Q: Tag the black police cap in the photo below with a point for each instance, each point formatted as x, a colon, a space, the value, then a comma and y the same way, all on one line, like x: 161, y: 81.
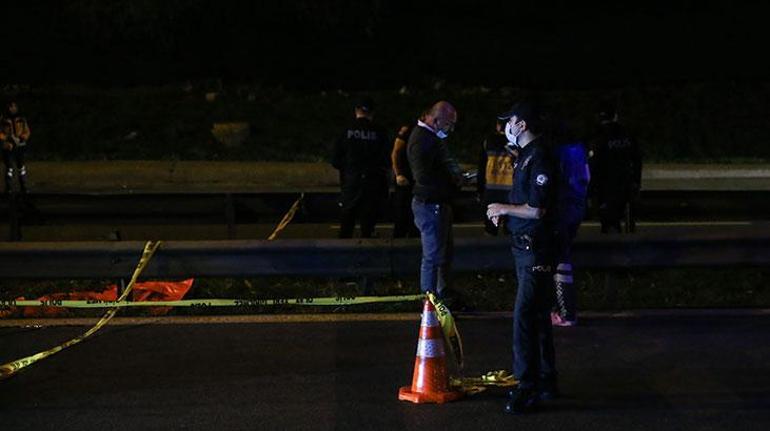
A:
x: 365, y: 104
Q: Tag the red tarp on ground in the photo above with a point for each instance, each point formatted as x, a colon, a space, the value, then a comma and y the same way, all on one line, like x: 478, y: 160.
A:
x: 144, y: 291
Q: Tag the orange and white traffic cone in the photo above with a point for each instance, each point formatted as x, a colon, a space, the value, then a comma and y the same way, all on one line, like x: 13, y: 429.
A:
x: 430, y: 382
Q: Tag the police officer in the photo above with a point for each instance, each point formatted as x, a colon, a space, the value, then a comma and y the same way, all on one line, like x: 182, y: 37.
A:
x: 530, y: 219
x: 362, y: 156
x: 403, y: 218
x: 495, y: 172
x: 437, y: 178
x: 571, y: 184
x: 14, y: 135
x: 616, y: 166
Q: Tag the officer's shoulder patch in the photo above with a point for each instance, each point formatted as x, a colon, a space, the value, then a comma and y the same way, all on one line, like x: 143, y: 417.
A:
x: 541, y: 179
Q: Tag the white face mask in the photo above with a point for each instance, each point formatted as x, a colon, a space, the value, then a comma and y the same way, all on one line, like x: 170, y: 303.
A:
x: 512, y: 132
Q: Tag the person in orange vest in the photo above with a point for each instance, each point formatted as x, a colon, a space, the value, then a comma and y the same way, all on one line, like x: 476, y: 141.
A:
x: 14, y: 135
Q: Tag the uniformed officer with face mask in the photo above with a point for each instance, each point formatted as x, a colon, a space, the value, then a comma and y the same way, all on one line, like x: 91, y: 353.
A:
x: 530, y: 220
x: 362, y: 156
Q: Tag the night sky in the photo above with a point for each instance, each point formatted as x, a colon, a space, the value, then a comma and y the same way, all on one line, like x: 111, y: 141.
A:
x: 383, y: 43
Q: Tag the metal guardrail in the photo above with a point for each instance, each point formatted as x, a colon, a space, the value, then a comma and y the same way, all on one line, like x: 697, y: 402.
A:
x: 360, y: 257
x: 321, y: 207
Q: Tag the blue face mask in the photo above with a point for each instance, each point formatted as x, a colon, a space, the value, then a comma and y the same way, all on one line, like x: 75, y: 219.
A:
x: 441, y: 134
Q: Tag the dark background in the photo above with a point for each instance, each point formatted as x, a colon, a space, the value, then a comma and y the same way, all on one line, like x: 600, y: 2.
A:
x: 382, y: 43
x: 127, y: 79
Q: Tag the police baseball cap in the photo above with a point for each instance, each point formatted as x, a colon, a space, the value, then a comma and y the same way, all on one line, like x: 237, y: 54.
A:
x: 522, y: 110
x: 365, y: 104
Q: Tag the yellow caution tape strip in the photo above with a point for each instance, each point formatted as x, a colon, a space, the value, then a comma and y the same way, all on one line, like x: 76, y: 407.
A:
x: 448, y: 327
x: 322, y: 301
x: 11, y: 368
x: 469, y: 385
x: 286, y: 218
x: 474, y: 385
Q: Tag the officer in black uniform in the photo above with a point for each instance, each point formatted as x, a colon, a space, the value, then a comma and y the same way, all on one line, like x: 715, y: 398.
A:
x: 403, y: 218
x: 362, y: 156
x: 530, y: 220
x: 616, y: 170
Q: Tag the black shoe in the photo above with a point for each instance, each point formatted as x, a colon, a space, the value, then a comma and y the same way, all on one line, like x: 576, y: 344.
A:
x: 548, y: 389
x: 522, y: 401
x: 548, y: 393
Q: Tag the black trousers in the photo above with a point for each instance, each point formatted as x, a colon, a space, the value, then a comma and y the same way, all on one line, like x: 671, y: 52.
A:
x: 613, y: 208
x: 16, y: 155
x: 363, y: 198
x: 403, y: 217
x: 534, y: 360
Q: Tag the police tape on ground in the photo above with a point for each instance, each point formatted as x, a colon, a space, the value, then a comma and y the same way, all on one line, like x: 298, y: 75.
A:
x: 321, y: 301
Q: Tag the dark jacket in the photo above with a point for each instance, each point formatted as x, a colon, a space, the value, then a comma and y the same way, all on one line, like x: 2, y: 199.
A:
x: 533, y: 184
x: 363, y: 148
x: 616, y: 165
x: 362, y: 155
x: 437, y: 176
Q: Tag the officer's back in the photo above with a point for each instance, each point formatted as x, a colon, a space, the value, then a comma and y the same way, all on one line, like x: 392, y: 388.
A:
x: 362, y: 149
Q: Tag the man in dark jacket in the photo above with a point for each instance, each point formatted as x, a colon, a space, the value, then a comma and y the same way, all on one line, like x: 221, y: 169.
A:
x: 362, y: 155
x: 437, y: 177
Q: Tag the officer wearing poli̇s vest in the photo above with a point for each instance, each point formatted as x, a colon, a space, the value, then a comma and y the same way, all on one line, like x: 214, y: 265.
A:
x: 616, y: 168
x: 362, y: 156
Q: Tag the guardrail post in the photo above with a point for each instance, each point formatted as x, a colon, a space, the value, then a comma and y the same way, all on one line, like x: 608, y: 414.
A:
x: 230, y: 215
x: 14, y: 219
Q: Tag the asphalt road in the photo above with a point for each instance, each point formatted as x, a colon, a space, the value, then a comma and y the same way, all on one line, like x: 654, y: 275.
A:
x: 700, y: 372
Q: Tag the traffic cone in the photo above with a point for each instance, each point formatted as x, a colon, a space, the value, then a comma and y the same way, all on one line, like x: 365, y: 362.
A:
x: 430, y: 382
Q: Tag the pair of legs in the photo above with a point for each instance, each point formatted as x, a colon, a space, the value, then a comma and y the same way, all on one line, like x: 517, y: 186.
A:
x: 565, y: 308
x: 613, y: 209
x: 16, y: 155
x: 435, y: 224
x: 534, y: 360
x: 362, y: 200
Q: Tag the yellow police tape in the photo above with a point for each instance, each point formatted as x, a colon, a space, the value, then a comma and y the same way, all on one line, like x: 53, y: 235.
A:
x: 448, y: 327
x: 474, y: 385
x: 320, y: 301
x: 13, y: 367
x: 469, y: 385
x: 286, y: 218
